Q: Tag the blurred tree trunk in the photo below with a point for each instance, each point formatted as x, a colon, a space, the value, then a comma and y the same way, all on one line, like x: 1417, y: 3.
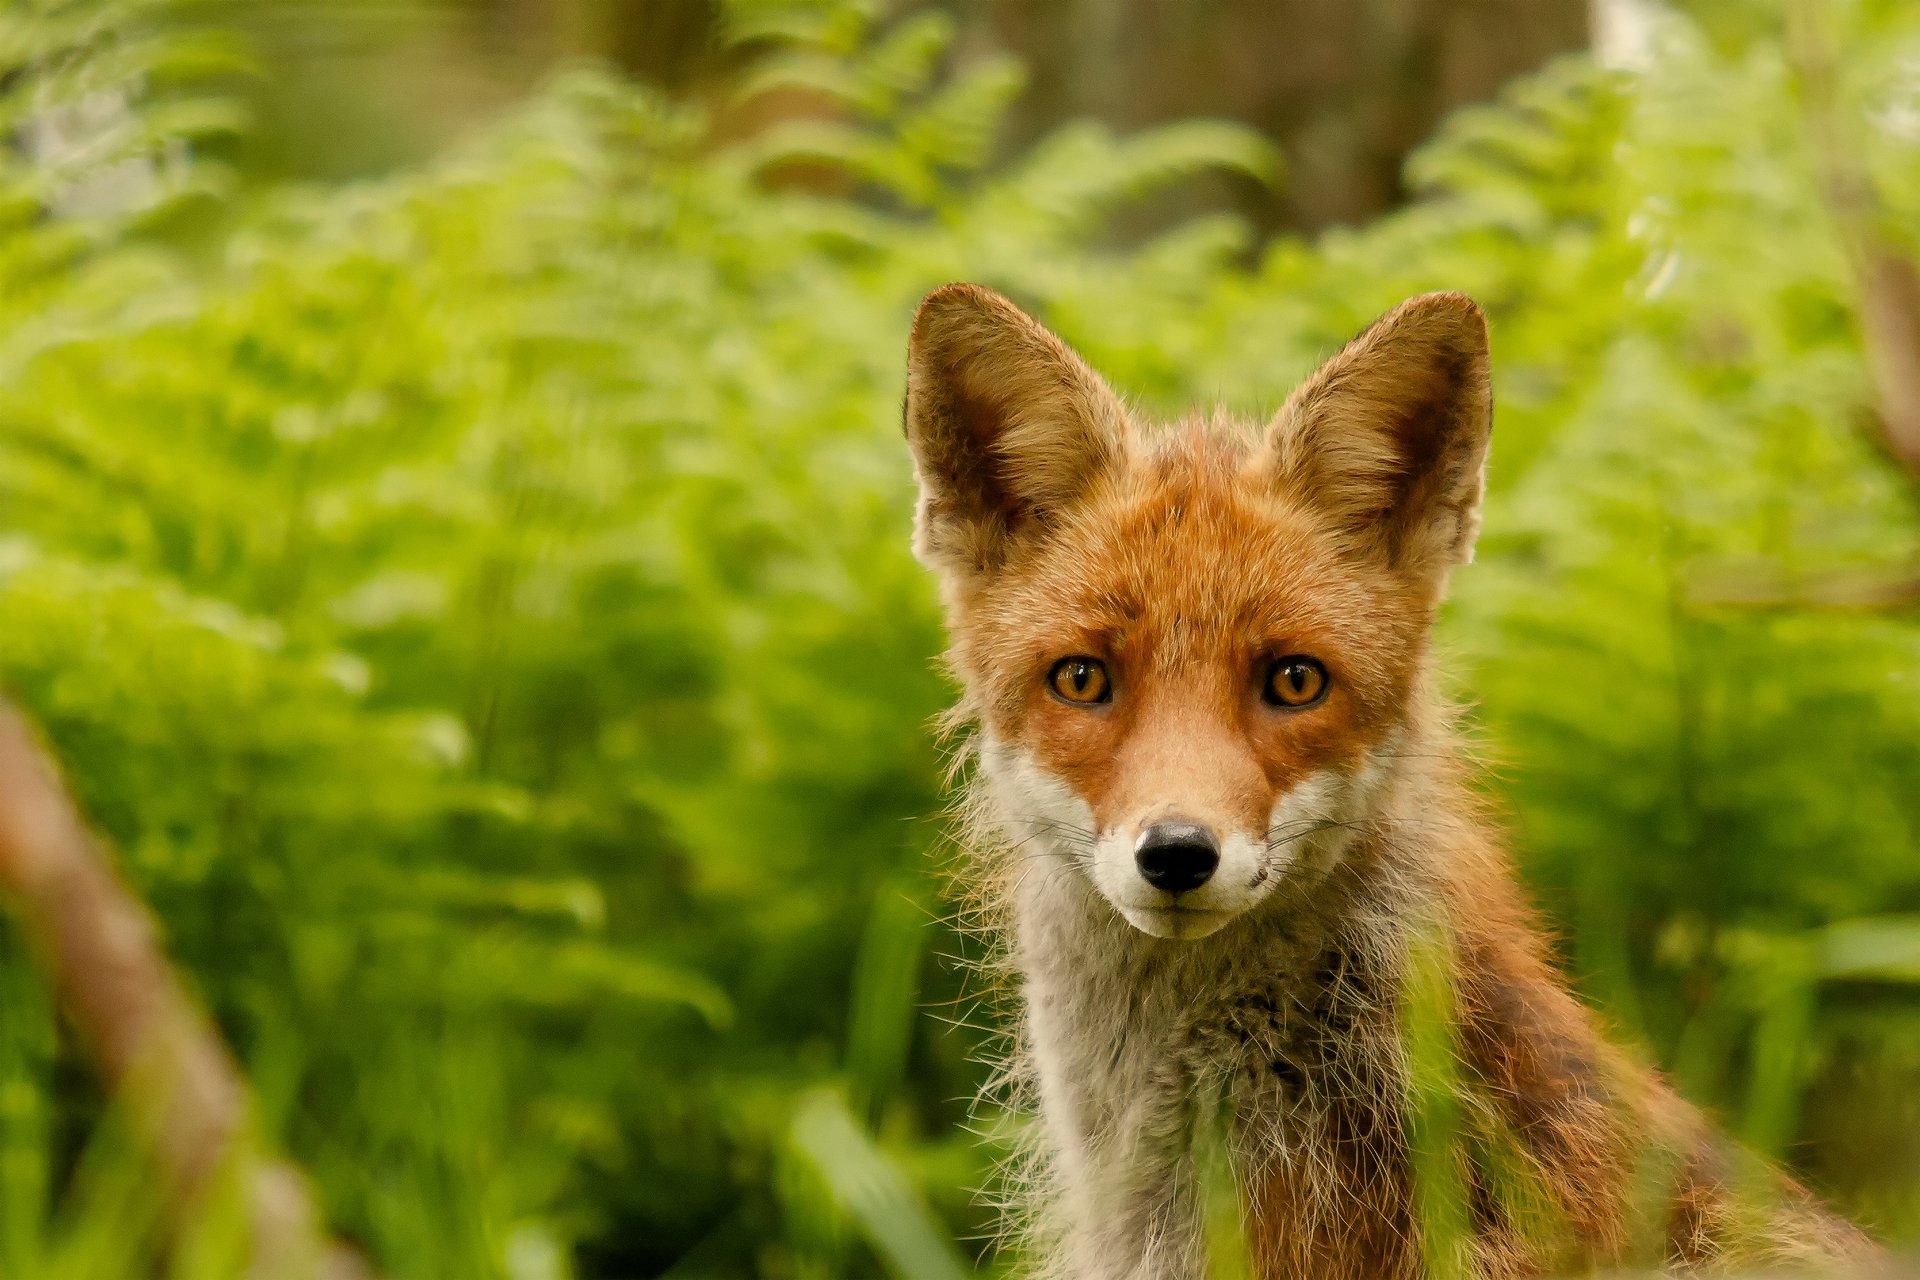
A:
x: 666, y: 42
x: 1346, y: 87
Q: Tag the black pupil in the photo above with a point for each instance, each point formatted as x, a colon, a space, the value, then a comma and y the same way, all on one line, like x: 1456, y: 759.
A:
x: 1296, y: 674
x: 1080, y: 674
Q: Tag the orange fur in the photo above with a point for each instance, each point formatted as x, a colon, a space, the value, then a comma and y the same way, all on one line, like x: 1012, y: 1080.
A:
x: 1186, y: 560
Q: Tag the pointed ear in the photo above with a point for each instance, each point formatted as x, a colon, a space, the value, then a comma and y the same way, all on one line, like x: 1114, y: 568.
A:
x: 1008, y: 427
x: 1389, y: 438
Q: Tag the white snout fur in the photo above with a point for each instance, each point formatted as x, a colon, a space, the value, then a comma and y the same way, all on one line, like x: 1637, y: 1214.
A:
x: 1309, y: 829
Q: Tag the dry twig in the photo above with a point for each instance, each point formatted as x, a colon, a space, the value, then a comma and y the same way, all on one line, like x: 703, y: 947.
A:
x: 159, y: 1055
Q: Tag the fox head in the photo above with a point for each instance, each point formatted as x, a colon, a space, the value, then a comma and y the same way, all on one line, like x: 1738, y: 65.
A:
x: 1191, y: 651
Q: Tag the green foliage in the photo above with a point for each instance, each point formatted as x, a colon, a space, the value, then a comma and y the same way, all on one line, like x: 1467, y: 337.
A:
x: 476, y: 603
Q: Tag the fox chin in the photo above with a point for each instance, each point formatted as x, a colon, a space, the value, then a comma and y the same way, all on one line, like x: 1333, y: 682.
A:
x: 1227, y: 831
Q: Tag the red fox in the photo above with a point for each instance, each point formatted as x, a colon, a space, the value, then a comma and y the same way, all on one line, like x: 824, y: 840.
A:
x: 1222, y: 815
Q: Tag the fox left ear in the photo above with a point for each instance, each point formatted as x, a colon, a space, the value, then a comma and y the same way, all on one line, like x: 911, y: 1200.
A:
x: 1389, y: 437
x: 1007, y: 426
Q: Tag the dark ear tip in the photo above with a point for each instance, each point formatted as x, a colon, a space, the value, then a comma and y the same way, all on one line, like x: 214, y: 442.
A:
x: 1449, y: 315
x: 955, y: 301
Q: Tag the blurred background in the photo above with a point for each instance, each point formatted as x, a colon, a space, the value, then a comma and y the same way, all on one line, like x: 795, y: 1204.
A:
x: 453, y: 535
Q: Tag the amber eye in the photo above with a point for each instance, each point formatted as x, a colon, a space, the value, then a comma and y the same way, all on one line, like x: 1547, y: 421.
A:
x: 1080, y: 680
x: 1295, y: 681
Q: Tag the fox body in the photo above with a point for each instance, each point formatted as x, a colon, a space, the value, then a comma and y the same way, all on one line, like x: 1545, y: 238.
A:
x: 1221, y: 826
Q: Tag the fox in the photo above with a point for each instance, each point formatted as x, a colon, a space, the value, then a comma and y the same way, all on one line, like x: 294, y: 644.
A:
x: 1222, y: 825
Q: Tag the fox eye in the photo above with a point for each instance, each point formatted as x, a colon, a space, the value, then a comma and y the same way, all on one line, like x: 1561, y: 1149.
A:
x: 1295, y: 681
x: 1080, y: 680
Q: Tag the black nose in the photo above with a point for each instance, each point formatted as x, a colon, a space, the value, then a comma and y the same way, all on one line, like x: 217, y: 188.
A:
x: 1176, y: 856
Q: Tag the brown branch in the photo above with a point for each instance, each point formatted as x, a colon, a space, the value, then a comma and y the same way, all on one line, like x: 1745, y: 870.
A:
x: 158, y: 1054
x: 1888, y: 289
x: 1888, y: 284
x: 1890, y: 327
x: 1763, y: 585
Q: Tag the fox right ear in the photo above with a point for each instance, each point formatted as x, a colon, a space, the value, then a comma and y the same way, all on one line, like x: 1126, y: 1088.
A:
x: 1006, y: 424
x: 1389, y: 438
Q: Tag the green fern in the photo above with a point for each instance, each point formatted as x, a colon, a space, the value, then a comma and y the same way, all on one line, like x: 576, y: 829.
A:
x: 476, y: 602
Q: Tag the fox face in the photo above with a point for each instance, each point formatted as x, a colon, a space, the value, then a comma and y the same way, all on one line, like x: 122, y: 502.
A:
x: 1191, y: 650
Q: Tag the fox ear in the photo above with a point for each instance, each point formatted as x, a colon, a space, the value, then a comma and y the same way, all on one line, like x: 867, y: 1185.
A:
x: 1389, y: 438
x: 1007, y: 427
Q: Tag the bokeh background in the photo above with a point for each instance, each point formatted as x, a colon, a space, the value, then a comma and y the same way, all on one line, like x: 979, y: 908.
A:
x: 453, y: 534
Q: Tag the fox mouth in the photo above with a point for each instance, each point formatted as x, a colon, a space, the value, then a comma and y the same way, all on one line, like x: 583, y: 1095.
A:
x: 1177, y: 921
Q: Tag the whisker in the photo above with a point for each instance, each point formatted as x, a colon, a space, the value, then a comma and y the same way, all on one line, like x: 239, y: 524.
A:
x: 1308, y: 828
